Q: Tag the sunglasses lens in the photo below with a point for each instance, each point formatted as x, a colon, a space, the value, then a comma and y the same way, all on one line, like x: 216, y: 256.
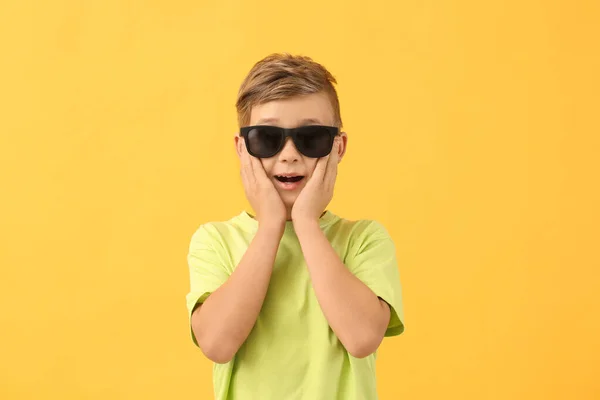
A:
x: 264, y: 141
x: 314, y: 141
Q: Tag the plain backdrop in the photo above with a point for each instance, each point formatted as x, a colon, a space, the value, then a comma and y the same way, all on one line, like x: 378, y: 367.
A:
x: 473, y: 137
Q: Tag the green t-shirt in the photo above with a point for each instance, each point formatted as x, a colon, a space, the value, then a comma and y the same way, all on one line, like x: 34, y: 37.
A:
x: 291, y: 352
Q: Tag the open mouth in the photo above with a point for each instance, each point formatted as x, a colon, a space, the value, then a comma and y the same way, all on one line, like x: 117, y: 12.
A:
x: 290, y: 179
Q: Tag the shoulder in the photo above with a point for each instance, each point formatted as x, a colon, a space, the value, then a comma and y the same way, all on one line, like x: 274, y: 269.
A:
x: 362, y: 228
x: 361, y: 232
x: 365, y: 242
x: 215, y: 233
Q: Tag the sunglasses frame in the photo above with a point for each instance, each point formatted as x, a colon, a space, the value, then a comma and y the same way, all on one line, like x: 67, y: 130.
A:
x: 288, y: 132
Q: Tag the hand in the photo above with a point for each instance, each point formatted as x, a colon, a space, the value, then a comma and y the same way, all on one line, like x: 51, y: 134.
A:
x: 261, y: 193
x: 318, y: 192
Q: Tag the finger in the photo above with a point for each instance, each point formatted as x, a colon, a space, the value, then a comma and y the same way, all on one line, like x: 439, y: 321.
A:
x: 244, y: 155
x: 258, y: 169
x: 247, y: 167
x: 320, y: 169
x: 333, y: 159
x: 336, y: 148
x: 331, y: 170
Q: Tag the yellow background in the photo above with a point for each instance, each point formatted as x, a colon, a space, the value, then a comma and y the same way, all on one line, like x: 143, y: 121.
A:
x: 474, y: 137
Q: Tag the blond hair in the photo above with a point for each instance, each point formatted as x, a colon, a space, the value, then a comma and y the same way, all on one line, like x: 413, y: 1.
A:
x: 282, y: 76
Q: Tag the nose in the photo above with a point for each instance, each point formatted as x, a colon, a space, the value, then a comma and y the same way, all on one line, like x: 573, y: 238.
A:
x: 289, y: 153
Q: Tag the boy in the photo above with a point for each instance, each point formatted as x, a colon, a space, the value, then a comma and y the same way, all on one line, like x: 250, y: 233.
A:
x: 293, y: 301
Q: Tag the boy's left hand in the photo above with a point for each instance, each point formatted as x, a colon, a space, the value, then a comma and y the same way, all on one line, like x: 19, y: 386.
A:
x: 318, y: 192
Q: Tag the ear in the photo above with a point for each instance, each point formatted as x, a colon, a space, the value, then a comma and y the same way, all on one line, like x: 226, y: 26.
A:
x: 239, y: 142
x: 343, y: 140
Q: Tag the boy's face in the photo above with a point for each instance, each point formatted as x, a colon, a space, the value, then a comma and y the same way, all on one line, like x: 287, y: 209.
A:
x: 312, y: 109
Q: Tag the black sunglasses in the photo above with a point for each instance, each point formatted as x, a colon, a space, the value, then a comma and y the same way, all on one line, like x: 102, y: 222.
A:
x: 264, y: 141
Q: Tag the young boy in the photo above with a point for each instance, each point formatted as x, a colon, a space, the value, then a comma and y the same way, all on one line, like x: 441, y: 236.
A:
x: 293, y: 301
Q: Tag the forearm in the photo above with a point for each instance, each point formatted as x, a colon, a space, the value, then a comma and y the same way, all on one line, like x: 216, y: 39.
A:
x: 356, y: 315
x: 224, y: 321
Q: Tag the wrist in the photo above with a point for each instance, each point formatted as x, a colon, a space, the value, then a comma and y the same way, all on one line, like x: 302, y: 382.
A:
x: 272, y: 227
x: 301, y: 223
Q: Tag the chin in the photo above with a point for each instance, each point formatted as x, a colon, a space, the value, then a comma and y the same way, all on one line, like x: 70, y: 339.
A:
x: 289, y: 201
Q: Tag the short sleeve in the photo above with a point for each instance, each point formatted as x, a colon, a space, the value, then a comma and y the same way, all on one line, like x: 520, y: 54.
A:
x: 207, y: 270
x: 372, y: 259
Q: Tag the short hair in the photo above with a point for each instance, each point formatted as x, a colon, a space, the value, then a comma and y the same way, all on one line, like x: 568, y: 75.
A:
x: 282, y: 76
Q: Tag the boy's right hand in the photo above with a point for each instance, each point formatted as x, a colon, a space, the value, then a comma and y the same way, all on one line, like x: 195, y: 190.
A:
x: 261, y: 193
